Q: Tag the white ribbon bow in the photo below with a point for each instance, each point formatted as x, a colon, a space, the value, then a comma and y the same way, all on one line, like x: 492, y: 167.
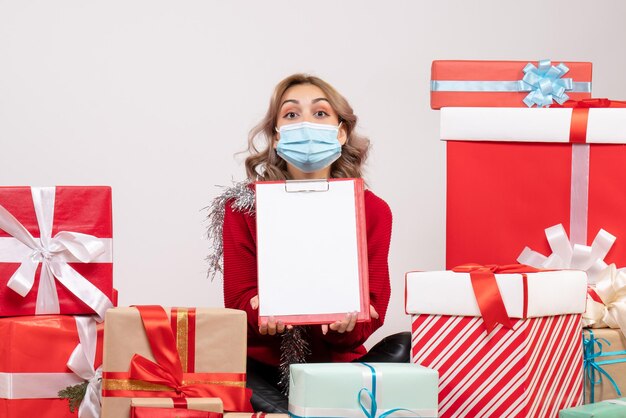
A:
x: 53, y: 253
x: 611, y: 289
x: 566, y: 256
x: 82, y: 361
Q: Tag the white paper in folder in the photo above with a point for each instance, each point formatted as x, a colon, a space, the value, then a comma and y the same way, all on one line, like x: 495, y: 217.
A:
x: 311, y: 250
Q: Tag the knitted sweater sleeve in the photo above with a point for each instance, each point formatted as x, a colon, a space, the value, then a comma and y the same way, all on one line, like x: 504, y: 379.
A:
x: 240, y: 267
x: 378, y: 220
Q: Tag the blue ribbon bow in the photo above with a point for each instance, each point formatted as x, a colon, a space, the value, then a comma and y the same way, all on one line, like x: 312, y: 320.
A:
x: 371, y: 413
x: 545, y: 84
x: 591, y: 366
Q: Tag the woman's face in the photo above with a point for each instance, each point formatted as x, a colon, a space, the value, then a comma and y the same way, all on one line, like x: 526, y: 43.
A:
x: 307, y: 103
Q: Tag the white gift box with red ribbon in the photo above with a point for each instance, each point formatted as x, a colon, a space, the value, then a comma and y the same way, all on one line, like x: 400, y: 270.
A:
x: 527, y: 295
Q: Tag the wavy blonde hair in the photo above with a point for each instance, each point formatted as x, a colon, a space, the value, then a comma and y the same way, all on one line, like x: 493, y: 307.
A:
x: 263, y: 163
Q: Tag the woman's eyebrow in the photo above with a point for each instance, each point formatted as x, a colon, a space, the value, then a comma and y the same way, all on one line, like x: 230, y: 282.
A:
x: 289, y: 101
x: 319, y: 99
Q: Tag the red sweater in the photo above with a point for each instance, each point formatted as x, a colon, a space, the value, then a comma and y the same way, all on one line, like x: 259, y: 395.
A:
x: 240, y: 285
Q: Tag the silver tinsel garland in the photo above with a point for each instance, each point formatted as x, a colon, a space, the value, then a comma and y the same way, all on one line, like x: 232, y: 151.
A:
x: 294, y: 346
x: 294, y: 349
x: 243, y: 200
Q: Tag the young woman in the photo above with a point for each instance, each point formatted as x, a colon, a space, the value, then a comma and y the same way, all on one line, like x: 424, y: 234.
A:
x: 302, y: 106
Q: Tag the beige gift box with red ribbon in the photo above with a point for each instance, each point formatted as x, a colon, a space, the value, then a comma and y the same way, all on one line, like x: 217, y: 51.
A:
x: 173, y: 353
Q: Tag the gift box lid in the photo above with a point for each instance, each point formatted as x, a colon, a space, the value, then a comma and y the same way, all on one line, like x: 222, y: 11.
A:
x: 499, y: 83
x: 125, y: 336
x: 451, y: 293
x: 606, y: 125
x: 43, y: 343
x: 613, y: 408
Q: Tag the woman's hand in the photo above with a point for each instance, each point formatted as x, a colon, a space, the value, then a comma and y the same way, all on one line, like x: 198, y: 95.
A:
x: 348, y: 323
x: 272, y: 327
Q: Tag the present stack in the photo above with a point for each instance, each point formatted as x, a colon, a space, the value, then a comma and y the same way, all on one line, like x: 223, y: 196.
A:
x: 58, y: 358
x: 534, y: 175
x: 55, y: 283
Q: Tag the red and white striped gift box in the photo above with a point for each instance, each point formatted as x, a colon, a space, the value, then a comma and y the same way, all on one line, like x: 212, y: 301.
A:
x: 533, y: 369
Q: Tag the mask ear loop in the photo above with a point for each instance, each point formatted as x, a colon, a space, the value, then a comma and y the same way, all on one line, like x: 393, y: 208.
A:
x: 339, y: 126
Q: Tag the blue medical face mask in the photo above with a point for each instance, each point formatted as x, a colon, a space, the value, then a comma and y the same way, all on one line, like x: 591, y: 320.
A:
x: 309, y: 146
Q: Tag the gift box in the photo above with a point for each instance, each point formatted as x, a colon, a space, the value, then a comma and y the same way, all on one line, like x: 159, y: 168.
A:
x: 358, y: 389
x: 55, y: 250
x: 42, y: 355
x: 507, y: 83
x: 145, y: 412
x: 615, y: 408
x: 255, y: 415
x: 605, y: 364
x: 503, y: 345
x: 152, y: 352
x: 513, y: 172
x: 176, y: 407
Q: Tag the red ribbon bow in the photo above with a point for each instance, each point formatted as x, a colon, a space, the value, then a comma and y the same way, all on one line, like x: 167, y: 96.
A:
x: 592, y: 103
x: 580, y: 115
x: 487, y: 292
x: 168, y: 371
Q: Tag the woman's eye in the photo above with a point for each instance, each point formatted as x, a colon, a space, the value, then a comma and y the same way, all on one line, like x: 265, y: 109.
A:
x: 320, y: 114
x: 290, y: 115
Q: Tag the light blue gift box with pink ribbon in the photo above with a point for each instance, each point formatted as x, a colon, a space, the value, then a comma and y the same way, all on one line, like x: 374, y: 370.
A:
x: 363, y: 390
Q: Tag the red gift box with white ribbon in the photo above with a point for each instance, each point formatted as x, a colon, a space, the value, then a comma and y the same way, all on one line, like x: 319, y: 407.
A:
x: 44, y: 354
x: 55, y: 250
x: 513, y: 172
